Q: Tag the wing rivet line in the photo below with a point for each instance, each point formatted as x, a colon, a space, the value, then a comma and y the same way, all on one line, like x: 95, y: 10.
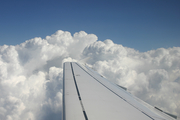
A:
x: 84, y: 112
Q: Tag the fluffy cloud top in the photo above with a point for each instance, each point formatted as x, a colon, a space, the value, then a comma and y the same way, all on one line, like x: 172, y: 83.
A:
x: 31, y: 73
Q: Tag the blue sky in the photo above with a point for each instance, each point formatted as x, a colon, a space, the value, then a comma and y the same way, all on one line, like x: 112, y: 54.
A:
x: 139, y: 24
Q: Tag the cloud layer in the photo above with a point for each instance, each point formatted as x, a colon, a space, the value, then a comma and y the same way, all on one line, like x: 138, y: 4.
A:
x: 31, y: 73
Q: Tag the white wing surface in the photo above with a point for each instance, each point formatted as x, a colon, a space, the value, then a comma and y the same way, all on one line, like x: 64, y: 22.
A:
x: 89, y: 96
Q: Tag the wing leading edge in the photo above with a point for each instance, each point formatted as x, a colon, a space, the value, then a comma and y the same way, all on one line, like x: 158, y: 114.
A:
x: 89, y: 96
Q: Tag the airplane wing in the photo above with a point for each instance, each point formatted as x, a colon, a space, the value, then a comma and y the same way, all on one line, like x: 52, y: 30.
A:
x: 89, y: 96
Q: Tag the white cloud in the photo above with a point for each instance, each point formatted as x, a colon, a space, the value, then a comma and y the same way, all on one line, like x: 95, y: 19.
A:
x: 31, y: 73
x: 152, y: 76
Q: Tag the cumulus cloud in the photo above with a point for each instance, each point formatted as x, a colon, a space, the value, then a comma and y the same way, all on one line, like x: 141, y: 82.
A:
x: 152, y: 76
x: 31, y: 73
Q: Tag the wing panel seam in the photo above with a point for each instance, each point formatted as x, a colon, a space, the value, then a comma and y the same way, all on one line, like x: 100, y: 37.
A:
x: 84, y: 112
x: 116, y: 93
